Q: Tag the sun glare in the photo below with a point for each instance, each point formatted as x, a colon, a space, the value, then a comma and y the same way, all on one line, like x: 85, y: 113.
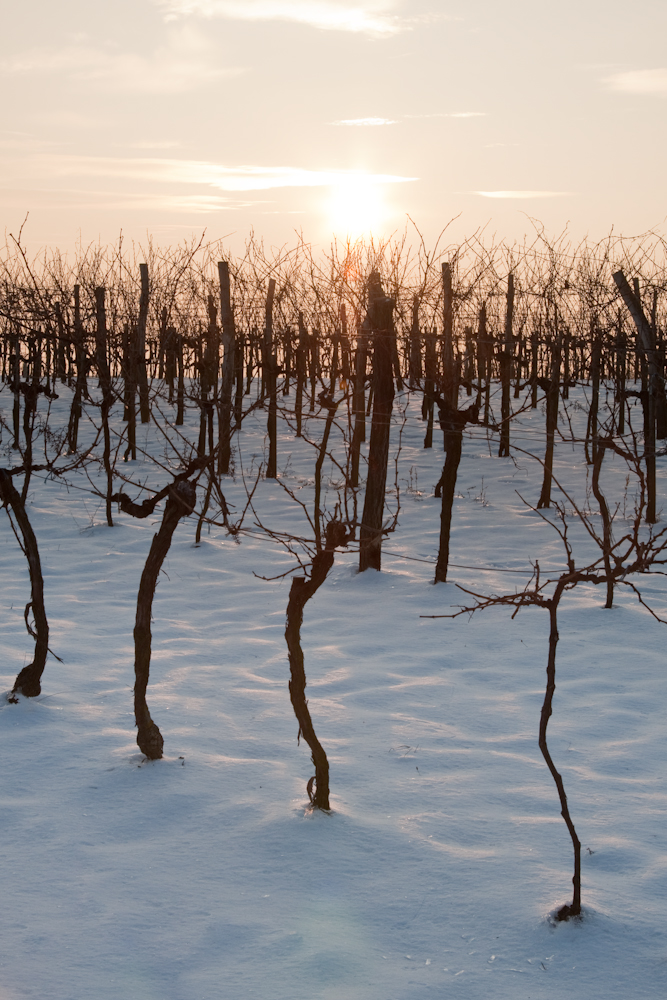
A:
x: 356, y: 206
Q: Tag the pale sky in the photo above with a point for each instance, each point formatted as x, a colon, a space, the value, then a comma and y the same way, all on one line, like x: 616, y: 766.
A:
x: 330, y: 116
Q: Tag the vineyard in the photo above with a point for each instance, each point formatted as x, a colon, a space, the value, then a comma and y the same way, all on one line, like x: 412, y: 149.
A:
x: 357, y: 558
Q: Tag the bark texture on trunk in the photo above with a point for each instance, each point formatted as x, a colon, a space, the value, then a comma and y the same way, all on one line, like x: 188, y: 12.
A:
x: 301, y: 591
x: 28, y: 681
x: 573, y: 909
x: 452, y: 423
x: 381, y: 311
x: 181, y: 502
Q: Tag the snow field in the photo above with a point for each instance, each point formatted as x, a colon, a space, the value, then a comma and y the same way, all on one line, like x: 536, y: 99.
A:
x: 206, y: 875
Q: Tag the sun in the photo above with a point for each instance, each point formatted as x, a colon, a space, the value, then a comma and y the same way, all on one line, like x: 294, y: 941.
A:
x: 356, y: 206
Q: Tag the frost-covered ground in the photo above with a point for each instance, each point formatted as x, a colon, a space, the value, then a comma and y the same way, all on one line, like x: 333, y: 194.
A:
x: 206, y: 875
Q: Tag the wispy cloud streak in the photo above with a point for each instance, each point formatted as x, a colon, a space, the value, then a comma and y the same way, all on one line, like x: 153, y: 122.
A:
x: 521, y: 194
x: 184, y: 63
x: 328, y: 15
x: 366, y: 121
x: 639, y: 81
x: 196, y: 172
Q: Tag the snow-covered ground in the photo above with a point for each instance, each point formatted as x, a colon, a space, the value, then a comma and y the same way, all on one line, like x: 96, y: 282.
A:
x: 206, y: 876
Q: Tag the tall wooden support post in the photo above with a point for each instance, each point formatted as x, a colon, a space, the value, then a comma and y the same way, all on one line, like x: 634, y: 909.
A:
x: 334, y: 367
x: 314, y: 356
x: 534, y: 352
x: 344, y: 347
x: 453, y: 444
x: 141, y: 373
x: 647, y: 344
x: 381, y: 315
x: 80, y: 385
x: 61, y: 341
x: 596, y: 356
x: 301, y: 374
x: 239, y: 352
x: 170, y: 368
x: 271, y: 384
x: 620, y: 377
x: 485, y: 349
x: 469, y: 360
x: 552, y: 389
x: 415, y: 364
x: 506, y: 372
x: 180, y: 392
x: 430, y: 370
x: 130, y: 390
x: 519, y: 360
x: 104, y: 376
x: 287, y: 359
x: 660, y: 400
x: 567, y: 340
x: 450, y: 372
x: 16, y: 383
x: 210, y: 351
x: 359, y: 402
x: 272, y: 422
x: 267, y: 343
x: 162, y: 342
x: 228, y: 369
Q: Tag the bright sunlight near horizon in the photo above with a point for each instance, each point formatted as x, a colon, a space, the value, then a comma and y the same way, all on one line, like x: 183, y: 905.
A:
x: 356, y: 206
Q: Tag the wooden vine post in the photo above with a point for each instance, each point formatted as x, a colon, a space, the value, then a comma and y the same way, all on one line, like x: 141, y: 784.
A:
x: 381, y: 315
x: 141, y: 373
x: 506, y: 371
x: 228, y: 369
x: 647, y: 344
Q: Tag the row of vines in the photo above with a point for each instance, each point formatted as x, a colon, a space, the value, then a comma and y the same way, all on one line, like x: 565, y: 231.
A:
x: 328, y: 344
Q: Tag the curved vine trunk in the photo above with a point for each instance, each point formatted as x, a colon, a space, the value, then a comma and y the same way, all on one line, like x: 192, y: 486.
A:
x: 181, y: 502
x: 28, y: 681
x: 574, y: 909
x: 301, y: 591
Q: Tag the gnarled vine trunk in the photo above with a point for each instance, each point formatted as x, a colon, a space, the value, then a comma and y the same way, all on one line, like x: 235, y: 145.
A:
x: 573, y: 909
x: 28, y: 681
x: 301, y: 591
x: 181, y: 502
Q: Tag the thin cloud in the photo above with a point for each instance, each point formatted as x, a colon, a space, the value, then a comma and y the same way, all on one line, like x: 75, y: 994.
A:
x: 366, y: 121
x: 149, y: 144
x: 193, y: 204
x: 327, y: 15
x: 639, y: 81
x: 452, y: 114
x: 395, y: 121
x: 521, y: 194
x: 183, y: 64
x: 241, y: 178
x: 431, y: 18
